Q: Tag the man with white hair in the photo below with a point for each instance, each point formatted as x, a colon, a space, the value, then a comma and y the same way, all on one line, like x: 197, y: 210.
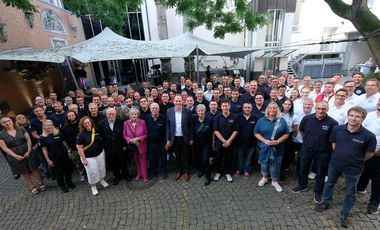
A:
x: 111, y: 131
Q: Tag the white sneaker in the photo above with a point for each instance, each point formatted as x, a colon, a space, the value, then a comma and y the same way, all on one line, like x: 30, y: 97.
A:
x: 104, y: 183
x: 217, y: 176
x: 277, y: 186
x: 94, y: 190
x: 229, y: 178
x: 82, y: 178
x: 326, y: 178
x: 311, y: 176
x: 263, y: 181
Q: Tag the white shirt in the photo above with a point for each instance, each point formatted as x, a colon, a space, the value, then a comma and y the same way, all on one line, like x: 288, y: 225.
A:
x: 289, y: 120
x: 178, y: 123
x: 338, y: 113
x: 208, y: 95
x: 368, y: 103
x: 372, y: 123
x: 313, y: 95
x: 298, y: 105
x: 352, y: 101
x: 297, y: 121
x: 111, y: 124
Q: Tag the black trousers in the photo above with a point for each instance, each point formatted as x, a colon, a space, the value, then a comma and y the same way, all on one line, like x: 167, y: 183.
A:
x: 117, y: 164
x: 224, y: 157
x: 62, y: 169
x: 182, y: 151
x: 202, y: 153
x: 371, y: 172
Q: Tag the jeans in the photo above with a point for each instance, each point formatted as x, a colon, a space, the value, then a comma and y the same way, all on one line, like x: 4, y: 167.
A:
x: 272, y: 167
x: 321, y: 160
x: 245, y: 159
x: 202, y: 153
x: 350, y: 182
x: 371, y: 172
x: 157, y: 155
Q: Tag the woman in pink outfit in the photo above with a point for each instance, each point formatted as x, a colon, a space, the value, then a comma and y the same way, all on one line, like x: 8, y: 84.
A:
x: 135, y: 133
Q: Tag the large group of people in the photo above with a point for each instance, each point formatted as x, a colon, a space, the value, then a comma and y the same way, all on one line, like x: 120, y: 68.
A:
x: 326, y: 129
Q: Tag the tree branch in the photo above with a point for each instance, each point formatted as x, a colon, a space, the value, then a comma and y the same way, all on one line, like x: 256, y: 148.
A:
x: 340, y: 8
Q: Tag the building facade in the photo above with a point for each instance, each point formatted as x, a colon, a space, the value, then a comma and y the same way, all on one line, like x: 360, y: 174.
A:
x: 51, y: 26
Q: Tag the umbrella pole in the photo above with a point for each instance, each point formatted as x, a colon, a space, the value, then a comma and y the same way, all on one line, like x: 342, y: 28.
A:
x: 197, y: 52
x: 72, y: 73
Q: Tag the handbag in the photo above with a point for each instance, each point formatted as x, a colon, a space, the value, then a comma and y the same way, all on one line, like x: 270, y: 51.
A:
x: 132, y: 148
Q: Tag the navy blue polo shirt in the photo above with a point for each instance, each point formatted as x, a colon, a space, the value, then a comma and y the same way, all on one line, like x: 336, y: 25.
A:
x: 317, y: 132
x: 246, y: 137
x: 225, y: 126
x: 58, y: 119
x: 157, y: 129
x: 247, y: 97
x: 258, y: 112
x: 36, y: 125
x: 53, y: 144
x: 203, y: 131
x: 359, y: 90
x: 211, y: 116
x: 350, y: 148
x: 236, y: 107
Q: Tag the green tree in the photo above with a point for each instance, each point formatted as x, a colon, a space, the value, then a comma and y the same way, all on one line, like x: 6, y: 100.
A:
x: 23, y: 5
x: 110, y: 12
x: 367, y: 24
x: 220, y: 16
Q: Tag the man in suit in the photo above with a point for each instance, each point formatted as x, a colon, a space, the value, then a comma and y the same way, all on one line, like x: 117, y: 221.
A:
x: 111, y: 130
x: 179, y: 134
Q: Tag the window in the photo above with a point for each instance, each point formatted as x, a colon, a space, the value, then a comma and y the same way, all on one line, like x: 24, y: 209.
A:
x: 328, y: 32
x: 274, y: 28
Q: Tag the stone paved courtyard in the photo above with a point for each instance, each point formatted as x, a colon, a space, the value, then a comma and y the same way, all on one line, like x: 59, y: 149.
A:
x: 167, y: 204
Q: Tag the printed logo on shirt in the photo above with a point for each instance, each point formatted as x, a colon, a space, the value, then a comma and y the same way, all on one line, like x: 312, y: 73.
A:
x: 357, y: 141
x: 231, y: 121
x: 252, y: 122
x: 160, y: 124
x: 57, y: 137
x: 325, y: 127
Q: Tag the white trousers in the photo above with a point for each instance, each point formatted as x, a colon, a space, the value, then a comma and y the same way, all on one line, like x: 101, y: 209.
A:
x: 95, y: 168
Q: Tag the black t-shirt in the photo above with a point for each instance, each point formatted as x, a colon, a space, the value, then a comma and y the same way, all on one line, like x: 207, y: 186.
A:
x: 54, y: 144
x: 84, y: 138
x: 225, y: 125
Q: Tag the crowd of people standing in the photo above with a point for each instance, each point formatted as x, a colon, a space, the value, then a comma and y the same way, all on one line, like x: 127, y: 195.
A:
x: 326, y: 129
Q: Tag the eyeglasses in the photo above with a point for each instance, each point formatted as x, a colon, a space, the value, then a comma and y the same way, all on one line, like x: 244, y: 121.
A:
x: 339, y: 95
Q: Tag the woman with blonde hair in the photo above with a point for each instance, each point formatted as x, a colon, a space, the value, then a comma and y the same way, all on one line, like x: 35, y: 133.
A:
x: 57, y: 154
x: 91, y: 152
x: 271, y: 131
x: 16, y: 143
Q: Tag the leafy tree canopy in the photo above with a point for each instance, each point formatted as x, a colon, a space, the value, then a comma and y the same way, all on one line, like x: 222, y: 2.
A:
x: 23, y: 5
x: 220, y: 16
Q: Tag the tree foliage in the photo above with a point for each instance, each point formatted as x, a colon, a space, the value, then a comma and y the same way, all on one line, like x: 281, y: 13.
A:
x: 363, y: 19
x: 110, y: 12
x: 23, y: 5
x: 220, y: 16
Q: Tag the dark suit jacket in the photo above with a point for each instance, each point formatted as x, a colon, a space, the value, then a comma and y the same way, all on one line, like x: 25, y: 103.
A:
x: 187, y: 125
x: 113, y: 141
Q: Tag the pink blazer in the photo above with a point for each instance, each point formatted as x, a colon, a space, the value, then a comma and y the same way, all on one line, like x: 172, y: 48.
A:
x: 141, y: 132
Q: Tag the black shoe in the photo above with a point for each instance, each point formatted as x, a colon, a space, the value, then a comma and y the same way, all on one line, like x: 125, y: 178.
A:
x: 64, y: 189
x: 322, y: 206
x: 164, y: 176
x: 115, y: 181
x: 373, y: 208
x: 71, y: 185
x: 207, y: 181
x: 200, y: 174
x: 16, y: 176
x: 344, y: 221
x: 317, y: 198
x: 299, y: 189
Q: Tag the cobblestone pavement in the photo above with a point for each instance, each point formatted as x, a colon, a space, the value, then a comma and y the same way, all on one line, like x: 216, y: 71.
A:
x: 167, y: 204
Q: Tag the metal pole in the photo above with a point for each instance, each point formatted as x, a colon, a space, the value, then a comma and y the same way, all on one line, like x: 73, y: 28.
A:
x: 142, y: 60
x: 197, y: 52
x: 72, y: 72
x: 130, y: 35
x: 93, y: 35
